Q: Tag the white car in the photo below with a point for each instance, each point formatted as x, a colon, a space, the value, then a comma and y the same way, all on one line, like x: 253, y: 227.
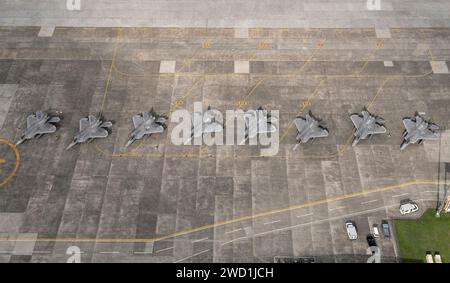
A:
x: 409, y: 207
x: 351, y: 230
x: 375, y: 231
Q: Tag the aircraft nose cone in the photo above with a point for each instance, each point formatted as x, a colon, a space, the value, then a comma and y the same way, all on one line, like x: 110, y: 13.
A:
x: 20, y: 141
x: 129, y: 143
x: 71, y: 145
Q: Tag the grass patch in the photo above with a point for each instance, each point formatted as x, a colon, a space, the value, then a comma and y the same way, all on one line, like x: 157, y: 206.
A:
x: 427, y: 233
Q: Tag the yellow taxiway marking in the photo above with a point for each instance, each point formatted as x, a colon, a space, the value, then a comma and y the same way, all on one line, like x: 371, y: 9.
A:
x: 233, y: 220
x: 17, y: 161
x: 319, y: 46
x: 111, y: 68
x: 2, y: 161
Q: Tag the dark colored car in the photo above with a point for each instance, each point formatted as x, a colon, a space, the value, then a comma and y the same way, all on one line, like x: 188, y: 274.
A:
x: 386, y: 229
x: 371, y: 241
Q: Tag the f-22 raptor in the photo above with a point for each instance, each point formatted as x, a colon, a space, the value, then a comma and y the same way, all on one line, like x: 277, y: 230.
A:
x: 258, y: 122
x: 417, y: 130
x: 366, y: 126
x: 309, y: 128
x: 204, y: 123
x: 147, y: 123
x: 39, y: 124
x: 91, y: 128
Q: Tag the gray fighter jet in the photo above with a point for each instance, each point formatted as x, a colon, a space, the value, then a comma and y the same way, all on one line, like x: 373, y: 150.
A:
x: 418, y: 130
x: 366, y: 125
x: 258, y: 122
x: 91, y: 128
x: 146, y: 123
x: 39, y: 124
x: 309, y: 128
x: 204, y: 123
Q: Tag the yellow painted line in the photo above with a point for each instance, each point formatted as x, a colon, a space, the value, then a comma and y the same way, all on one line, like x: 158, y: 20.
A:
x: 378, y: 45
x: 430, y: 54
x: 252, y: 90
x: 319, y: 46
x: 111, y: 68
x: 380, y: 89
x: 17, y: 161
x: 233, y: 220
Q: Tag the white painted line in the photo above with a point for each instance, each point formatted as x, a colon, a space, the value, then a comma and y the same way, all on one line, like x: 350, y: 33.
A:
x: 304, y: 215
x: 199, y: 253
x: 400, y: 195
x: 167, y: 67
x: 46, y: 31
x: 229, y: 232
x: 388, y: 64
x: 336, y: 208
x: 163, y: 250
x: 237, y: 239
x: 110, y: 252
x: 439, y: 67
x: 272, y: 222
x: 370, y: 201
x: 199, y: 240
x: 431, y: 192
x: 241, y: 67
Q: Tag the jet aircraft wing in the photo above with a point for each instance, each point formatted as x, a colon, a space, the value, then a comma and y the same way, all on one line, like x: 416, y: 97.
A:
x: 379, y: 129
x: 84, y: 124
x: 409, y: 124
x: 356, y: 119
x: 46, y: 128
x: 137, y: 120
x: 31, y: 120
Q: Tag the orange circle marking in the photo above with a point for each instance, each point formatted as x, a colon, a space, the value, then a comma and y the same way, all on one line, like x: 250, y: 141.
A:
x: 243, y: 103
x: 179, y: 102
x: 16, y: 167
x: 263, y: 45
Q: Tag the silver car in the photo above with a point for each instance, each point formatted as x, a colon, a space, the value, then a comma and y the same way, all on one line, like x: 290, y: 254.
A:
x: 352, y: 231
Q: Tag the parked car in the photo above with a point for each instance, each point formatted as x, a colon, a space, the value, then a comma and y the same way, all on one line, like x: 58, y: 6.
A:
x: 408, y: 207
x: 437, y: 258
x: 375, y: 231
x: 386, y: 229
x: 371, y: 241
x: 352, y: 231
x: 429, y: 257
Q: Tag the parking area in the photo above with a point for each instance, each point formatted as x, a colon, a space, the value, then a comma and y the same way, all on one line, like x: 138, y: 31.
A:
x: 159, y: 202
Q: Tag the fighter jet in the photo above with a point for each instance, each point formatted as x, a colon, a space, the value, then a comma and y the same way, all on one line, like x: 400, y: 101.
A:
x: 91, y: 128
x: 309, y: 128
x: 39, y: 124
x: 204, y: 123
x: 146, y: 123
x: 367, y: 125
x: 258, y: 122
x: 418, y: 130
